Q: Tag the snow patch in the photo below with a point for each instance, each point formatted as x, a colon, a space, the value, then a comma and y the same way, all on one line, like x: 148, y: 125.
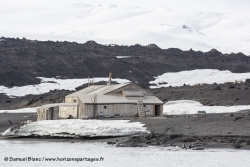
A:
x: 183, y: 107
x: 22, y: 110
x: 48, y: 84
x: 122, y: 57
x: 199, y: 76
x: 77, y: 128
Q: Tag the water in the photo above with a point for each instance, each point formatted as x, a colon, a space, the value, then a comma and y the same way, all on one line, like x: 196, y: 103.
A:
x: 114, y: 156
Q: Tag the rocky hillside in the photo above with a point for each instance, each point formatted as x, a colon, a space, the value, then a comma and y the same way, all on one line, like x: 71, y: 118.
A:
x: 22, y: 60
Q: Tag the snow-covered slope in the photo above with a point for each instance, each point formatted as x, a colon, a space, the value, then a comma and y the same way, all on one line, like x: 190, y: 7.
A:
x: 200, y: 76
x: 48, y: 84
x: 183, y: 107
x: 22, y: 110
x: 76, y: 127
x: 123, y: 24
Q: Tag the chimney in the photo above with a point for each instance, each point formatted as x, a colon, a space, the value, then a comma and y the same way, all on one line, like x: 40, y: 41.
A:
x: 110, y: 77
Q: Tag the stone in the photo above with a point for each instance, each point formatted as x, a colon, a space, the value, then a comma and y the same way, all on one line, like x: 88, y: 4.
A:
x: 247, y: 81
x: 237, y: 118
x: 237, y: 145
x: 217, y: 87
x: 188, y: 139
x: 173, y: 136
x: 198, y: 148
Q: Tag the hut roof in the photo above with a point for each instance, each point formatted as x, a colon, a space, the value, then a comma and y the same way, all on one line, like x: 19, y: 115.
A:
x: 58, y: 104
x: 119, y: 99
x: 106, y: 94
x: 98, y: 89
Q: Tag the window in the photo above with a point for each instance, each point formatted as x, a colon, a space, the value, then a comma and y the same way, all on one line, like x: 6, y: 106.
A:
x: 105, y: 107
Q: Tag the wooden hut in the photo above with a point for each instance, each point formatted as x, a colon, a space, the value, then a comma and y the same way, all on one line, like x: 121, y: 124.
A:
x: 94, y: 101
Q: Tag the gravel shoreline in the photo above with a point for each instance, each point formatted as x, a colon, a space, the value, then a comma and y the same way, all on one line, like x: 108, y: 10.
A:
x: 213, y: 131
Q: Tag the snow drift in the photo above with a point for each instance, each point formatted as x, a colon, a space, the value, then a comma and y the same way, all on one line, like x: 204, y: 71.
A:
x: 199, y: 76
x: 22, y: 110
x: 183, y: 107
x: 77, y: 128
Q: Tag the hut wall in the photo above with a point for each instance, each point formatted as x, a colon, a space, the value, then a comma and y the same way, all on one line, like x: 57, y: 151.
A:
x: 55, y: 113
x: 127, y: 110
x: 71, y: 100
x: 81, y: 110
x: 50, y: 113
x: 150, y: 110
x: 41, y: 113
x: 161, y: 110
x: 108, y: 110
x: 66, y: 111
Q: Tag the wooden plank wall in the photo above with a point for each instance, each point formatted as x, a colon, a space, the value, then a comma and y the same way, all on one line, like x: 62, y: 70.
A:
x: 56, y: 113
x: 127, y: 110
x: 161, y: 110
x: 151, y: 109
x: 81, y: 110
x: 65, y: 111
x: 49, y: 113
x: 71, y: 100
x: 41, y: 114
x: 86, y: 110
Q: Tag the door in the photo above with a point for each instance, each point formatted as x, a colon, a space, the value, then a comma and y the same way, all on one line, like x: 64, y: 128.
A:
x: 55, y: 113
x: 157, y: 110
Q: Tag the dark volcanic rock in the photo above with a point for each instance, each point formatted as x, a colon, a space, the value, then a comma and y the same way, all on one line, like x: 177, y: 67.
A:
x: 188, y: 139
x: 173, y: 136
x: 55, y: 96
x: 237, y: 145
x: 217, y: 87
x: 237, y: 118
x: 206, y: 94
x: 23, y: 60
x: 247, y: 81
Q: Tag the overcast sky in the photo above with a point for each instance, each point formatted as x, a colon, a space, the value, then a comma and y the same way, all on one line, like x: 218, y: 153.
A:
x: 187, y: 5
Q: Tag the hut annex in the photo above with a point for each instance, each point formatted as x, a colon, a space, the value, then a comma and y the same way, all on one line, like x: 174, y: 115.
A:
x: 96, y: 101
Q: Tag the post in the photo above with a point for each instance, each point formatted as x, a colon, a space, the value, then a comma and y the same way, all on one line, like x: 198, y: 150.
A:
x: 110, y: 78
x: 88, y: 81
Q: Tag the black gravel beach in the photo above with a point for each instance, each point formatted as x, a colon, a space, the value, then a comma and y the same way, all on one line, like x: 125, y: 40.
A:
x: 213, y: 131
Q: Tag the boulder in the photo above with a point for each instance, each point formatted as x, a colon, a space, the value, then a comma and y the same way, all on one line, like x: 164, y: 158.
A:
x: 188, y: 139
x: 217, y: 87
x: 198, y: 148
x: 237, y: 145
x: 247, y: 81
